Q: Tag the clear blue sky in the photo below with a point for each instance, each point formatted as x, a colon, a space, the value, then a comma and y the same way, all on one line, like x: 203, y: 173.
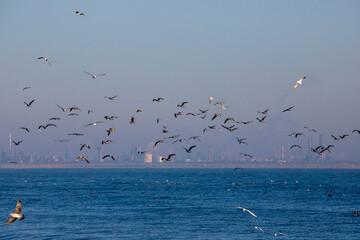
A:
x: 248, y: 54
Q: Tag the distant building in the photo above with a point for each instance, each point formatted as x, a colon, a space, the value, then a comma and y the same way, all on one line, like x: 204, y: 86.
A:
x: 147, y: 158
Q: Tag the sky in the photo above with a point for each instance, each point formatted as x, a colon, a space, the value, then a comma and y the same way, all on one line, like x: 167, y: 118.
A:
x: 248, y: 54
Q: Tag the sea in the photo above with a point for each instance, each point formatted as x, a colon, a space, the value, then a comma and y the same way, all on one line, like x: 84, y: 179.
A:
x: 181, y: 203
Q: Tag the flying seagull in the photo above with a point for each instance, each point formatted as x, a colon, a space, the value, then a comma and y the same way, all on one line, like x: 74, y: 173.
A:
x: 84, y: 145
x: 190, y: 148
x: 168, y: 158
x: 262, y: 120
x: 95, y: 76
x: 247, y: 210
x: 17, y: 143
x: 93, y: 124
x: 110, y: 156
x: 105, y: 142
x: 210, y: 99
x: 26, y: 129
x: 246, y: 155
x: 257, y: 228
x: 132, y: 121
x: 82, y: 157
x: 182, y: 105
x: 288, y: 109
x: 80, y: 13
x: 111, y: 98
x: 29, y: 104
x: 26, y: 88
x: 299, y: 82
x: 45, y: 59
x: 110, y: 130
x: 16, y: 214
x: 158, y: 99
x: 264, y: 112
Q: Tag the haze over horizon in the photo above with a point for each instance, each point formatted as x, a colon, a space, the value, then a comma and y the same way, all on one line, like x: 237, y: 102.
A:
x: 246, y: 54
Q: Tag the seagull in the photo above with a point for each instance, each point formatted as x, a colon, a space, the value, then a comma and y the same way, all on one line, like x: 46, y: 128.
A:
x: 45, y: 59
x: 26, y: 88
x: 310, y: 130
x: 237, y: 168
x: 190, y: 148
x: 247, y: 210
x: 195, y: 137
x: 111, y: 98
x: 93, y: 124
x: 168, y: 158
x: 139, y: 110
x: 73, y: 114
x: 264, y: 112
x: 177, y: 114
x: 16, y: 214
x: 257, y: 228
x: 110, y: 156
x: 110, y: 118
x: 63, y: 109
x: 241, y: 140
x: 216, y: 115
x: 84, y: 145
x: 262, y: 120
x: 158, y: 99
x: 82, y: 157
x: 246, y: 123
x: 335, y: 137
x: 54, y: 118
x: 29, y: 104
x: 210, y: 99
x: 110, y: 130
x: 231, y: 129
x: 158, y: 120
x: 182, y: 105
x: 356, y: 130
x: 229, y: 119
x: 203, y: 111
x: 95, y: 76
x: 89, y: 111
x: 76, y: 134
x: 246, y: 155
x: 80, y: 13
x: 157, y: 142
x: 26, y: 129
x: 74, y: 108
x: 132, y: 121
x: 295, y: 145
x: 17, y: 143
x: 222, y: 106
x: 48, y: 125
x: 61, y: 140
x: 105, y: 142
x: 299, y: 82
x: 288, y: 109
x: 343, y: 136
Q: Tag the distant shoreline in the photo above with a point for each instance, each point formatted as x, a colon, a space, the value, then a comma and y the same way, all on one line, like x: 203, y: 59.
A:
x: 190, y: 166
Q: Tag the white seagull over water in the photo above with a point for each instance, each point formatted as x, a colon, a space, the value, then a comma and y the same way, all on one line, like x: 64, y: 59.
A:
x: 247, y: 210
x: 299, y: 82
x: 16, y: 214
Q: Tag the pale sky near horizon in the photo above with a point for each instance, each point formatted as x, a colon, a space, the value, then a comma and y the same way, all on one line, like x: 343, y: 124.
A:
x: 248, y: 54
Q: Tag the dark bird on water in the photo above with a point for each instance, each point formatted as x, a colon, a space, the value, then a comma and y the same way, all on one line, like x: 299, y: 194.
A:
x: 16, y: 214
x: 29, y: 104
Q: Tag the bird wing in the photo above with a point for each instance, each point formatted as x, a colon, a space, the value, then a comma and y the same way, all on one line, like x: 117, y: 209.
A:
x: 18, y: 207
x: 250, y: 212
x: 11, y: 220
x: 89, y: 73
x: 192, y: 147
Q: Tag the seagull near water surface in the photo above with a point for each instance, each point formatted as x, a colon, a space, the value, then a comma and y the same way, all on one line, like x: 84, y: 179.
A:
x: 247, y: 210
x: 16, y: 214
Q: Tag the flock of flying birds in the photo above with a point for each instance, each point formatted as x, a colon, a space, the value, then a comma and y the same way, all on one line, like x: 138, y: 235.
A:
x: 203, y: 114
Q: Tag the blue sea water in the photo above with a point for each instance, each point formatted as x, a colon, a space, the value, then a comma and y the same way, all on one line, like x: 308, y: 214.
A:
x: 180, y: 203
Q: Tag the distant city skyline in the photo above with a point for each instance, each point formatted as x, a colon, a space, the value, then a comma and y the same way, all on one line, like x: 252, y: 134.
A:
x: 246, y: 54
